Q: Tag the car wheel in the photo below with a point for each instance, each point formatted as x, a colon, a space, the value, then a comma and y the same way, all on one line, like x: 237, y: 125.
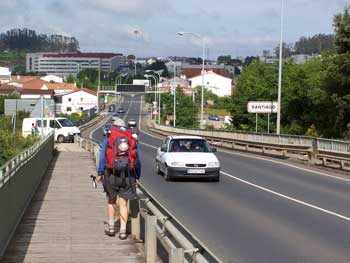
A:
x: 166, y: 174
x: 216, y: 179
x: 60, y: 139
x: 158, y: 168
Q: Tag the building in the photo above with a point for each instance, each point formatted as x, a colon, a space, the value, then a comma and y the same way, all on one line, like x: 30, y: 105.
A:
x: 76, y: 101
x: 189, y: 71
x: 219, y: 85
x: 179, y: 82
x: 5, y: 75
x: 301, y: 58
x: 65, y: 64
x: 37, y: 93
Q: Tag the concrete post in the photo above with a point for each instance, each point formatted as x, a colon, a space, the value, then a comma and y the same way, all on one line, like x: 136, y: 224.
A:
x: 176, y: 255
x: 151, y: 239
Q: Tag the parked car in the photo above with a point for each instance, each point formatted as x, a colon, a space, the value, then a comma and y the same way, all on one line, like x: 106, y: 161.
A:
x: 64, y: 129
x: 132, y: 123
x: 213, y: 117
x: 187, y: 157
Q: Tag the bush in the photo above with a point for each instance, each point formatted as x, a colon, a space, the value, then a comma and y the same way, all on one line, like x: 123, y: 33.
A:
x: 13, y: 143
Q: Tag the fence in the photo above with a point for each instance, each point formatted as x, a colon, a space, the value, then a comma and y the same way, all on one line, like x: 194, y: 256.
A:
x: 159, y: 225
x: 19, y: 179
x: 334, y: 153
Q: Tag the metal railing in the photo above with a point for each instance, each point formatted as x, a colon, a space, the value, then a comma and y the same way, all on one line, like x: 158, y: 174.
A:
x: 159, y: 224
x: 316, y: 150
x: 19, y: 179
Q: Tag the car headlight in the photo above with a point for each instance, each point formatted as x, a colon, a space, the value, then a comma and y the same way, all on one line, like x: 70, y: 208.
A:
x: 70, y: 133
x: 214, y: 164
x: 177, y: 164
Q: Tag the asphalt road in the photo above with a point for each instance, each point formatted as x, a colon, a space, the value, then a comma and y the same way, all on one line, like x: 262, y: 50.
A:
x: 260, y: 211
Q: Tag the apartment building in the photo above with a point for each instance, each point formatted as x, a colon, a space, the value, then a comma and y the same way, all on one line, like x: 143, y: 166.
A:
x: 65, y: 64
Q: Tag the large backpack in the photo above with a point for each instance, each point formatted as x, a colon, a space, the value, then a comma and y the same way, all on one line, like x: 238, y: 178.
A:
x: 121, y: 152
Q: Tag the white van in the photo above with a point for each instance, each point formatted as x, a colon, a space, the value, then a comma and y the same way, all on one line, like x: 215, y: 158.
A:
x: 64, y: 129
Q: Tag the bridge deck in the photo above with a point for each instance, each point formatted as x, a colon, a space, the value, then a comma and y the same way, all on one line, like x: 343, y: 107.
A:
x: 64, y: 222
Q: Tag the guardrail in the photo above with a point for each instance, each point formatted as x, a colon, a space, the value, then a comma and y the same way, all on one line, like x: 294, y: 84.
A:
x: 19, y: 179
x: 158, y: 224
x: 332, y: 153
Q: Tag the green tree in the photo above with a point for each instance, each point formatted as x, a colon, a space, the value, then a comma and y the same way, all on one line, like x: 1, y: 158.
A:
x: 71, y: 79
x: 341, y: 24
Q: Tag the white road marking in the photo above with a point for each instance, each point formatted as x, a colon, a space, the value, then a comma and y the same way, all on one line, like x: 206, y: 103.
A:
x: 285, y: 164
x: 275, y: 193
x: 128, y: 110
x: 288, y: 197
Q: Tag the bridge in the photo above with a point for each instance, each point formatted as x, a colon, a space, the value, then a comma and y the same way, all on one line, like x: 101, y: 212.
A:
x: 264, y: 209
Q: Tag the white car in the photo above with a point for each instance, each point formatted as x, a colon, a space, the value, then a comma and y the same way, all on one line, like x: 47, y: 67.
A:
x: 187, y: 157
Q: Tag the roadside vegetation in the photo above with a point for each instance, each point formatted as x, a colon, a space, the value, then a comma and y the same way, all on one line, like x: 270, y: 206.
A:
x: 77, y: 118
x: 13, y: 143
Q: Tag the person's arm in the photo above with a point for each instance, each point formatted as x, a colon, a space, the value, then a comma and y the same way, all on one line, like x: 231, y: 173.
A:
x: 138, y: 165
x: 102, y: 160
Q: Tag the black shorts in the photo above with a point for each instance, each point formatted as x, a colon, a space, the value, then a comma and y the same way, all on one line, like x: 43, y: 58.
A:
x: 112, y: 188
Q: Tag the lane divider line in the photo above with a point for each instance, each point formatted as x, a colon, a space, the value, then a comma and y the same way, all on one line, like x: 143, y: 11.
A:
x: 287, y: 197
x: 275, y: 193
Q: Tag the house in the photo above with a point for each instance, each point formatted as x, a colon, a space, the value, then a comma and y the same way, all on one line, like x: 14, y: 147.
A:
x: 189, y: 71
x: 36, y: 94
x: 179, y: 82
x: 5, y: 75
x: 219, y: 85
x: 76, y: 101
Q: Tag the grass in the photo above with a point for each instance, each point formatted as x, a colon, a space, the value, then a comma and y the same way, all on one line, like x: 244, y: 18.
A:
x: 217, y: 112
x: 13, y: 143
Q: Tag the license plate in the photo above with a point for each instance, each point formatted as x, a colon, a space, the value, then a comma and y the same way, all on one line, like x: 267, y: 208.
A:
x: 196, y: 171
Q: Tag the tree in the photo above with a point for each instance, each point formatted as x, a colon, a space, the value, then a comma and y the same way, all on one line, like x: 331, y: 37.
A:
x: 131, y: 56
x: 314, y: 45
x: 286, y: 50
x: 227, y: 60
x: 341, y: 24
x: 71, y: 79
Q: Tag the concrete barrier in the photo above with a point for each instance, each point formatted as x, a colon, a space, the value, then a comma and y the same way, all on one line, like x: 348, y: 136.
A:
x: 19, y: 179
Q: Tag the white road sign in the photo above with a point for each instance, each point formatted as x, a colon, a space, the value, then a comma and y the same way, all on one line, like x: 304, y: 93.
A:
x: 262, y: 106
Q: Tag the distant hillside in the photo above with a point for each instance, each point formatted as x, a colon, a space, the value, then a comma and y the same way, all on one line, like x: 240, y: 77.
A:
x: 15, y: 43
x: 29, y: 41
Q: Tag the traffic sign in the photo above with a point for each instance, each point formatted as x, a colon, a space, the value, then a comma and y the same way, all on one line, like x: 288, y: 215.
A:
x: 262, y: 106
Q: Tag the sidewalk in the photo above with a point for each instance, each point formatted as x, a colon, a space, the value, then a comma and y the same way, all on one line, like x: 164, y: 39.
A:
x: 65, y: 220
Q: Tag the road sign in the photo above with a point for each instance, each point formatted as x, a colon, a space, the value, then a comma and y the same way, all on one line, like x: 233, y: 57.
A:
x: 262, y: 106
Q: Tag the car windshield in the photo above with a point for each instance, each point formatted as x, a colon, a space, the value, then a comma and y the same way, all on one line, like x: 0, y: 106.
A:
x: 188, y: 145
x: 66, y: 123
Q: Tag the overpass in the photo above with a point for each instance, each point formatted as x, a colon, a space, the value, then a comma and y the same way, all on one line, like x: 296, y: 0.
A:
x: 263, y: 210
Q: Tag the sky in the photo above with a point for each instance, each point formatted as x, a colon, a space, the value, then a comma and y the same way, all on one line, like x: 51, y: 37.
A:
x: 149, y: 27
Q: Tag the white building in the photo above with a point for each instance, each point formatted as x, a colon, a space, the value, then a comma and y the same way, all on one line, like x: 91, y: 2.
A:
x: 36, y: 94
x: 77, y: 101
x: 219, y: 85
x: 52, y: 78
x: 5, y: 75
x: 65, y: 64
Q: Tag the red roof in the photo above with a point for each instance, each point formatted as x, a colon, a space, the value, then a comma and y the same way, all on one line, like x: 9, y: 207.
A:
x: 89, y: 91
x: 82, y: 55
x: 37, y: 92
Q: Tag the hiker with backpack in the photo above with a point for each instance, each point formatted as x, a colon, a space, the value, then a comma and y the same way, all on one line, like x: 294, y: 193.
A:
x: 117, y: 170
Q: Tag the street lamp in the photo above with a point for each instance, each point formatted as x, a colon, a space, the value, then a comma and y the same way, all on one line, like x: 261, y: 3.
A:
x: 280, y: 73
x: 136, y: 32
x: 159, y: 95
x: 203, y: 57
x: 155, y: 81
x: 174, y: 84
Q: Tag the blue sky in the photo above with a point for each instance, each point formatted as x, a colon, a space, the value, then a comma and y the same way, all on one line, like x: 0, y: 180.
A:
x: 230, y: 26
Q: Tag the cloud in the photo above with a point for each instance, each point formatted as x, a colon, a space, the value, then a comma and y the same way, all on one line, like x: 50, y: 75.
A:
x: 118, y: 7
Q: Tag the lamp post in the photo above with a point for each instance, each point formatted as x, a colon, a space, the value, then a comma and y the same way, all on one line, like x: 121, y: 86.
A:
x: 159, y: 95
x: 136, y: 32
x: 280, y: 73
x: 203, y: 57
x: 174, y: 84
x: 155, y: 82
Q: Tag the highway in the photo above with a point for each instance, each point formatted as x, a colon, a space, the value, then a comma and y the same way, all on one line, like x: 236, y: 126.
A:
x: 262, y: 210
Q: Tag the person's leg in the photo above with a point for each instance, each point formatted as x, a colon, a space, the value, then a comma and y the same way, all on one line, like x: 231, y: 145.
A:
x: 123, y: 214
x: 111, y: 215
